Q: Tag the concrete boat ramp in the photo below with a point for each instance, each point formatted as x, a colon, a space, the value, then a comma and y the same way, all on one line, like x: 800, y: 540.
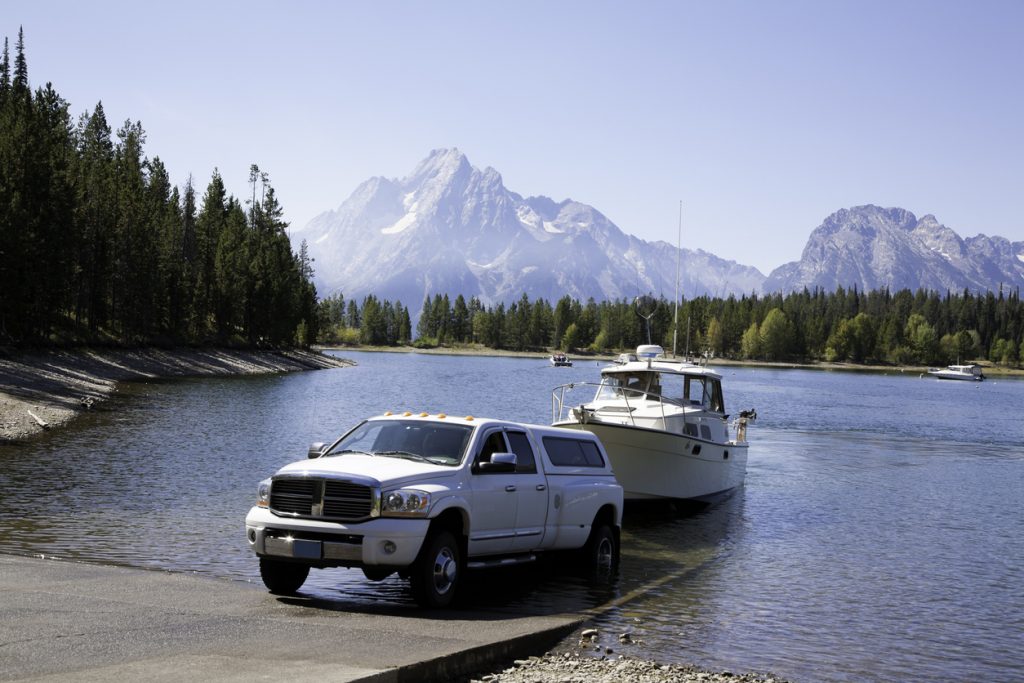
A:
x: 63, y: 620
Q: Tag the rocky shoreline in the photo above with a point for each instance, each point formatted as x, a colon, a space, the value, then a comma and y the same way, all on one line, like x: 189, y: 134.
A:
x: 571, y: 668
x: 40, y: 390
x: 585, y: 658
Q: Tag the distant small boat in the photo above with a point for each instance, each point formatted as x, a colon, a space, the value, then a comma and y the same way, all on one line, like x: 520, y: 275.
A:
x: 970, y: 373
x: 560, y: 360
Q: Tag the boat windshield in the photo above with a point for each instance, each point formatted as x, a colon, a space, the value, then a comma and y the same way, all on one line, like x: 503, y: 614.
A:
x: 631, y: 386
x: 441, y: 444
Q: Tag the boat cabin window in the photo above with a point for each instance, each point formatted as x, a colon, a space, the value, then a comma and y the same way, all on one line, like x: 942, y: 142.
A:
x: 705, y: 392
x: 717, y: 404
x: 633, y: 385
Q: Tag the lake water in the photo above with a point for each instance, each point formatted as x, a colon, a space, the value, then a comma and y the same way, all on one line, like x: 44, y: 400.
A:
x: 879, y: 537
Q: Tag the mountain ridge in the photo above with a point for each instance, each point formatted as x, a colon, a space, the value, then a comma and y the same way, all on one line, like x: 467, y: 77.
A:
x: 874, y: 247
x: 449, y: 227
x: 453, y: 228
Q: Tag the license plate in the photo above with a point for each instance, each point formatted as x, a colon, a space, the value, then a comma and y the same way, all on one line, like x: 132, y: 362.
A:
x: 308, y: 550
x: 296, y: 547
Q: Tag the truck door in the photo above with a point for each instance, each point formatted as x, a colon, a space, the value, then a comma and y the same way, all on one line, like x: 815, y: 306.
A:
x: 495, y: 499
x: 532, y: 487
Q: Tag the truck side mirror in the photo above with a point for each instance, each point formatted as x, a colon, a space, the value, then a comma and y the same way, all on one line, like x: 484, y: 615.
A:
x: 316, y: 450
x: 499, y: 462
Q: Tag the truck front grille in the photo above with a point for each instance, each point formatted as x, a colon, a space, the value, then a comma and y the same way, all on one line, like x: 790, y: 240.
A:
x: 294, y: 496
x: 317, y: 498
x: 346, y: 500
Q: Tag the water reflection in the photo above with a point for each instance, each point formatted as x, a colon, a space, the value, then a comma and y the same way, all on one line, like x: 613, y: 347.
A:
x: 877, y: 536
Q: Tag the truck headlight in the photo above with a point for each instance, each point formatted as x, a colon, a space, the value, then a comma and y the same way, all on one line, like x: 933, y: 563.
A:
x: 263, y: 494
x: 405, y: 503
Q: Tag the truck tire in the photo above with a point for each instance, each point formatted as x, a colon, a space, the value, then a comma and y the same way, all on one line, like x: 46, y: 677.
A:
x: 282, y: 578
x: 601, y: 554
x: 437, y: 571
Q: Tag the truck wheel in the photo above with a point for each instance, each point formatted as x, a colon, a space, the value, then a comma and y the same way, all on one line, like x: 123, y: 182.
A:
x: 376, y: 573
x: 282, y: 578
x: 601, y: 554
x: 435, y: 575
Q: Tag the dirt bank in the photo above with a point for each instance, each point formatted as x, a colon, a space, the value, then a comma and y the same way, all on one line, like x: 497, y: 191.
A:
x: 45, y: 389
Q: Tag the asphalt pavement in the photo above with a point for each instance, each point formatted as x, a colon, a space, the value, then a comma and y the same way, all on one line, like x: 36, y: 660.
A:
x: 62, y: 620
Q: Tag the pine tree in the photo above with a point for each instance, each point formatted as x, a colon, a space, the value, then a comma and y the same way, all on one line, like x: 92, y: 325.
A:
x: 95, y: 211
x: 230, y: 290
x: 19, y: 84
x: 5, y: 73
x: 208, y: 303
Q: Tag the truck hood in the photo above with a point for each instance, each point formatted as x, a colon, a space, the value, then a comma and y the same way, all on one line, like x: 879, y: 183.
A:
x: 387, y: 470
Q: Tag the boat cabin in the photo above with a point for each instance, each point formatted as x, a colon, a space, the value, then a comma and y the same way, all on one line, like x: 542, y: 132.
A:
x: 670, y: 384
x: 654, y: 392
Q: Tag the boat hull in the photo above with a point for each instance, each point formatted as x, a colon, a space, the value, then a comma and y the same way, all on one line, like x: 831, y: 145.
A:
x: 957, y: 376
x: 968, y: 373
x: 651, y: 464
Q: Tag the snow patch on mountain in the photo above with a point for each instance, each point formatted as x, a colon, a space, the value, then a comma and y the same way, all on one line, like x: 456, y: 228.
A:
x: 403, y: 223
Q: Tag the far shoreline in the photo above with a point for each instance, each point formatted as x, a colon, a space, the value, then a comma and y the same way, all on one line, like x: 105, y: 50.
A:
x: 479, y: 350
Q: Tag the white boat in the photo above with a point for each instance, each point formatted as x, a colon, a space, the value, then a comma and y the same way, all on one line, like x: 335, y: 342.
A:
x: 664, y: 426
x: 560, y: 360
x: 970, y: 373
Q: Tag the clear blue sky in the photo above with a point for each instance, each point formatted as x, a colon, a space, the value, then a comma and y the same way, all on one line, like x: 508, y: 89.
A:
x: 761, y: 117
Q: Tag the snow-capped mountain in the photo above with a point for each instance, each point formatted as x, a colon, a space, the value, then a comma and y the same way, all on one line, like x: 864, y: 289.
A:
x: 872, y: 247
x: 451, y: 228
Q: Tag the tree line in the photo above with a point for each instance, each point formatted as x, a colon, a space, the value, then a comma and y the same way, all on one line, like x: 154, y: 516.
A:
x: 846, y: 325
x: 98, y: 245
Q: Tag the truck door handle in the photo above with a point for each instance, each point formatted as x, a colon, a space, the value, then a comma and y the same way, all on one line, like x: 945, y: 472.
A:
x: 541, y: 487
x: 510, y: 488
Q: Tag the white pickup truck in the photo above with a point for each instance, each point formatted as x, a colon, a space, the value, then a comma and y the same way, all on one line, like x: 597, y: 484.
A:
x: 429, y: 496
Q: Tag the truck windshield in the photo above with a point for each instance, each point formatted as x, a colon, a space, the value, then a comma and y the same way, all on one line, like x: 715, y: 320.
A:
x: 441, y: 444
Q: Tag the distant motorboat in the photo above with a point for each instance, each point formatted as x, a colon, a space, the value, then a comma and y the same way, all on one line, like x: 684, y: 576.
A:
x: 560, y: 360
x: 664, y: 426
x: 970, y: 373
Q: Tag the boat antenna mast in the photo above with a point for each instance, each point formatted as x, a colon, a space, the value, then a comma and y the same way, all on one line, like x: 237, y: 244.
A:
x: 679, y: 249
x: 648, y: 304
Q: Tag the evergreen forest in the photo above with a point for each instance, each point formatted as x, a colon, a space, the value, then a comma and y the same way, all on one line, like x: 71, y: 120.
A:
x: 879, y: 327
x: 97, y: 245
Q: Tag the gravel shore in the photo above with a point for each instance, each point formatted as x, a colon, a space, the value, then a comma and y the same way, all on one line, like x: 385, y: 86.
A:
x: 575, y: 668
x: 590, y: 656
x: 45, y: 389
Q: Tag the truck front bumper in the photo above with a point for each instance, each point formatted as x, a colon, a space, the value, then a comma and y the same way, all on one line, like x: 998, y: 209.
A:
x: 383, y: 541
